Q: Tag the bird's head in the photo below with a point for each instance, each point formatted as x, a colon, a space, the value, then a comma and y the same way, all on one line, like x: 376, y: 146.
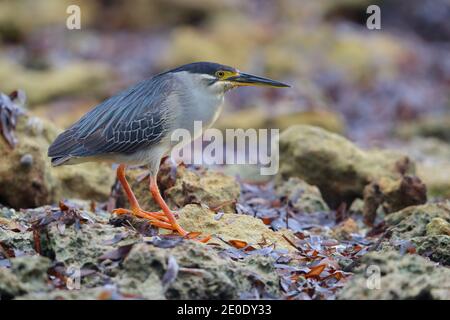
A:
x: 221, y: 78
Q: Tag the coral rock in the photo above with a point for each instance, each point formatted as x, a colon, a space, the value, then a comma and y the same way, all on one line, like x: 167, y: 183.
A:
x: 392, y: 195
x: 230, y: 226
x: 37, y: 183
x: 186, y: 186
x: 303, y: 197
x: 335, y: 165
x: 202, y: 273
x: 389, y: 275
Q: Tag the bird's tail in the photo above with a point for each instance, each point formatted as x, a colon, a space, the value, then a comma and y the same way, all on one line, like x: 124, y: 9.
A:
x: 58, y: 161
x: 63, y: 149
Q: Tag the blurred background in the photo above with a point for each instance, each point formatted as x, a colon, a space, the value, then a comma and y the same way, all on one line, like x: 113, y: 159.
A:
x: 381, y: 88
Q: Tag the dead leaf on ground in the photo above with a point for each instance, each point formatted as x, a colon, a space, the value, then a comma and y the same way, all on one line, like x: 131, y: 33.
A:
x: 315, y: 271
x: 11, y: 225
x: 171, y: 273
x: 117, y: 254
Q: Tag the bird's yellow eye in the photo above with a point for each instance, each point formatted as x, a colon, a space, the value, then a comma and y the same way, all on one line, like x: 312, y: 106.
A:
x: 220, y: 74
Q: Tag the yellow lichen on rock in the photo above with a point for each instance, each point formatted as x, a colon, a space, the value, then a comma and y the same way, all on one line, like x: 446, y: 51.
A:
x: 231, y: 226
x: 438, y: 226
x: 211, y: 188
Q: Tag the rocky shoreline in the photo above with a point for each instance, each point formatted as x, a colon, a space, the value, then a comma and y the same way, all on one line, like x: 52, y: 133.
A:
x: 333, y: 212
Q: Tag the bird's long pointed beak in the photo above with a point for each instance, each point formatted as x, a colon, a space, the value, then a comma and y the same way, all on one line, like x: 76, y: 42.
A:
x: 245, y: 79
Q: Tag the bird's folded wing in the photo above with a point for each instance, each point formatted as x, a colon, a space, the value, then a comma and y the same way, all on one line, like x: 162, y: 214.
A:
x: 128, y: 122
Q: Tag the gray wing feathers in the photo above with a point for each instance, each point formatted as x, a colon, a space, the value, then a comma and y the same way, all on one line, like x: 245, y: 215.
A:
x: 133, y: 119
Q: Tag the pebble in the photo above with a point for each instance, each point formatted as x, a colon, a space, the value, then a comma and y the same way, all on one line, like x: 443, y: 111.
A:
x: 26, y: 160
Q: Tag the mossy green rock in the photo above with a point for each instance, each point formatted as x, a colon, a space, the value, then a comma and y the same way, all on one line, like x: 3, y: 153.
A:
x: 20, y: 241
x: 32, y: 272
x: 33, y: 183
x: 85, y: 245
x: 202, y: 273
x: 438, y: 226
x: 426, y: 226
x: 10, y: 285
x: 334, y: 164
x: 302, y: 196
x: 27, y: 274
x: 434, y: 247
x: 413, y: 221
x: 400, y: 277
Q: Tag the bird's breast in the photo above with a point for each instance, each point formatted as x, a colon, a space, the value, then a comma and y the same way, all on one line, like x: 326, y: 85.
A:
x: 204, y: 108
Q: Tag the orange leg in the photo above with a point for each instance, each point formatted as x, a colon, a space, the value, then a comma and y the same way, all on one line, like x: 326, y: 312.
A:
x: 154, y: 190
x: 156, y: 218
x: 164, y: 220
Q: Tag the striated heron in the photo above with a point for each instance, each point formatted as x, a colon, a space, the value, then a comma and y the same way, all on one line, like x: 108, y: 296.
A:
x: 134, y: 127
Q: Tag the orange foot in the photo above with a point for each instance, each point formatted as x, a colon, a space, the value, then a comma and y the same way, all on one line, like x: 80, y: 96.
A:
x: 165, y: 220
x: 158, y: 219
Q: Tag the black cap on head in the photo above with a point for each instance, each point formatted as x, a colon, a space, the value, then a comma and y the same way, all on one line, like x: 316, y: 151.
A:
x: 203, y: 68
